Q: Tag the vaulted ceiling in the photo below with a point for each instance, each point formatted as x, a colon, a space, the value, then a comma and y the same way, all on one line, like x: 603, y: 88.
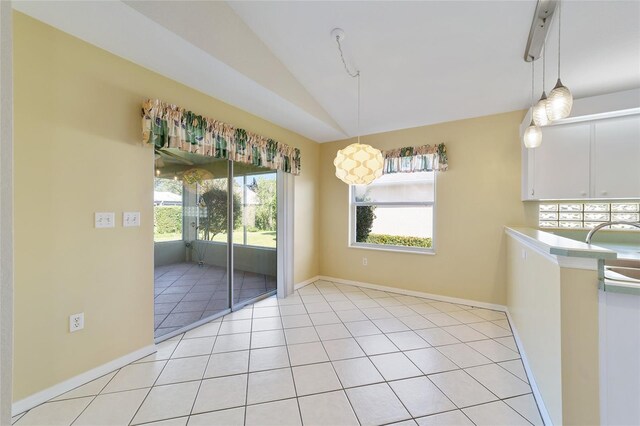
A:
x: 421, y: 62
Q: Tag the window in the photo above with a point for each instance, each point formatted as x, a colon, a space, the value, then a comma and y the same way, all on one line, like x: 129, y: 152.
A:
x: 395, y: 212
x: 167, y: 210
x: 587, y: 215
x: 255, y: 210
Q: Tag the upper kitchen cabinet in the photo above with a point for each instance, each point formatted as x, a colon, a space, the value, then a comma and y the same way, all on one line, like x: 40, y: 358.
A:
x: 593, y: 154
x: 616, y: 157
x: 560, y: 166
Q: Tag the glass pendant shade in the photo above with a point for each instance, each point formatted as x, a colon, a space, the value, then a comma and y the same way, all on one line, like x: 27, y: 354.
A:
x: 559, y: 102
x: 540, y: 117
x: 358, y: 164
x: 532, y: 136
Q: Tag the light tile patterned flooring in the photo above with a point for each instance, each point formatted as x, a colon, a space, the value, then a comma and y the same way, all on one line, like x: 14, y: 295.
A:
x: 329, y: 355
x: 185, y: 293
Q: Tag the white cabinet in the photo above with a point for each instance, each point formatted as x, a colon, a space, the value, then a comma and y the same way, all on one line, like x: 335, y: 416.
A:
x: 619, y: 319
x: 561, y: 163
x: 616, y: 159
x: 595, y: 159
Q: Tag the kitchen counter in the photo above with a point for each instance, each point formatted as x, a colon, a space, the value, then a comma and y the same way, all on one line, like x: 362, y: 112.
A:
x: 556, y: 245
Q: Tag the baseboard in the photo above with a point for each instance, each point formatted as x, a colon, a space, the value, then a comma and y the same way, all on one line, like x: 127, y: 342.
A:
x: 532, y: 381
x: 402, y: 291
x: 306, y: 282
x: 79, y: 380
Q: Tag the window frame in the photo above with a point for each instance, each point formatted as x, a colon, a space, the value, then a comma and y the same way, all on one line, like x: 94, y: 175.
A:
x: 353, y: 204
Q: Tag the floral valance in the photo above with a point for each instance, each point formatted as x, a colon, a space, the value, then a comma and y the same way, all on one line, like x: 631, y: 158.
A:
x: 415, y: 159
x: 170, y: 126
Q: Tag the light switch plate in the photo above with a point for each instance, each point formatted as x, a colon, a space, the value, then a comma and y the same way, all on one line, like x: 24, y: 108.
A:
x: 105, y: 220
x: 130, y: 219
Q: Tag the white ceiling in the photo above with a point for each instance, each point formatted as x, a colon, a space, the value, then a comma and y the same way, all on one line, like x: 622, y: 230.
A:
x: 421, y: 62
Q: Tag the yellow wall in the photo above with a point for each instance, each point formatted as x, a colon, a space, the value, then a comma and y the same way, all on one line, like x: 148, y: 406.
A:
x: 533, y: 298
x: 475, y: 199
x: 555, y: 311
x: 78, y: 151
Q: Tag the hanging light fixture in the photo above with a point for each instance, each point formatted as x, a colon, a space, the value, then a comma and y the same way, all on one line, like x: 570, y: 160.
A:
x: 532, y: 135
x: 540, y: 117
x: 357, y: 164
x: 560, y: 99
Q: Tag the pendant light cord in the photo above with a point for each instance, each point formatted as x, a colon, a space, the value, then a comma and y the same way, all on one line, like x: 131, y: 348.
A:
x: 355, y: 74
x: 544, y: 65
x: 559, y: 33
x: 533, y: 79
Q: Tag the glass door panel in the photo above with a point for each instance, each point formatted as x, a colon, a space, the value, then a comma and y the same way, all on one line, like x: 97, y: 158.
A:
x: 209, y: 247
x: 254, y: 233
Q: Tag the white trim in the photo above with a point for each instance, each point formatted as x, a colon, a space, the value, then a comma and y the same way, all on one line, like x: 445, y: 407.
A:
x: 285, y: 232
x: 306, y: 282
x: 532, y: 381
x: 438, y: 297
x: 79, y: 380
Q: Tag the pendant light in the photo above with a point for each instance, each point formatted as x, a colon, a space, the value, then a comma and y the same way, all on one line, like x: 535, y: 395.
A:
x: 532, y: 135
x: 357, y: 164
x: 560, y: 99
x: 540, y: 117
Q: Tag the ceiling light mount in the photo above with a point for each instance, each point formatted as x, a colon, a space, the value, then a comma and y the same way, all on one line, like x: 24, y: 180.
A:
x: 338, y: 34
x: 539, y: 29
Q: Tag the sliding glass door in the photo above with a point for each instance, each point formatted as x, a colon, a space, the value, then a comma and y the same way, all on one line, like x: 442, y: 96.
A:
x: 216, y: 245
x: 254, y: 233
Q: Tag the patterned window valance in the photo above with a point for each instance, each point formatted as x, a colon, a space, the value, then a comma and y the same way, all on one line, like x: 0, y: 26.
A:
x: 415, y: 159
x: 169, y: 126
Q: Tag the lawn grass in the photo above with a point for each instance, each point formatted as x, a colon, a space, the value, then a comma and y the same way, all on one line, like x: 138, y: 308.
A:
x: 257, y: 238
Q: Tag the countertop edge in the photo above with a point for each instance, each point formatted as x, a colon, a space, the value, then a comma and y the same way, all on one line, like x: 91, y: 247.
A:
x: 559, y: 246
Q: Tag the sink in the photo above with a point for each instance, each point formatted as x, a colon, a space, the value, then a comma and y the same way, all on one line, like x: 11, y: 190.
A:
x: 632, y: 273
x: 622, y: 270
x: 625, y: 263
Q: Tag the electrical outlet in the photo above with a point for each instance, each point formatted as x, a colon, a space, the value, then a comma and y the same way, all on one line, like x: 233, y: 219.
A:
x: 105, y: 220
x: 76, y: 322
x: 130, y: 219
x: 364, y: 261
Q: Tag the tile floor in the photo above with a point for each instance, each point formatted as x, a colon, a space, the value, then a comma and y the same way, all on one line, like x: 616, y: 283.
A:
x: 185, y: 293
x: 330, y: 354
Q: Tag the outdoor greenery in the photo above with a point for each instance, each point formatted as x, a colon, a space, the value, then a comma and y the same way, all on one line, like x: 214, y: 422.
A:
x: 365, y: 216
x: 398, y: 240
x: 168, y: 219
x: 213, y: 211
x: 254, y: 238
x: 267, y: 209
x: 168, y: 185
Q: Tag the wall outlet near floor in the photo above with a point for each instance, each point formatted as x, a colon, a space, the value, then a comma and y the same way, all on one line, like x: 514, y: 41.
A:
x: 130, y: 219
x: 76, y: 322
x: 364, y: 261
x: 105, y: 220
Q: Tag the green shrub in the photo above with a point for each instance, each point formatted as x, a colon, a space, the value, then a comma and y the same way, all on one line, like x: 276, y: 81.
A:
x: 398, y: 240
x: 167, y: 219
x: 364, y: 221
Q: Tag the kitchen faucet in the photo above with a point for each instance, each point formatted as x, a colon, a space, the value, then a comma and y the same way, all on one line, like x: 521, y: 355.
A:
x: 602, y: 225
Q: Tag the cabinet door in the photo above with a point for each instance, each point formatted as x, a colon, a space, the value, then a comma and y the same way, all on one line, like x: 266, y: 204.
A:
x: 617, y: 158
x: 561, y: 163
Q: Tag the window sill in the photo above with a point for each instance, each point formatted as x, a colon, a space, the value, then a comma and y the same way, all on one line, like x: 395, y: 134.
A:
x: 394, y: 249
